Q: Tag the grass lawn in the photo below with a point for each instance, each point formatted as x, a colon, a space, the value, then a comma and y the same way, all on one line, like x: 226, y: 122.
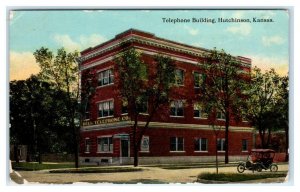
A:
x: 69, y: 168
x: 33, y: 166
x: 98, y: 170
x: 237, y: 177
x: 191, y: 165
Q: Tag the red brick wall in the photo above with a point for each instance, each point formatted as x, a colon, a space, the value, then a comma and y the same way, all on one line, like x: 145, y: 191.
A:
x: 186, y: 92
x: 159, y: 138
x: 160, y: 142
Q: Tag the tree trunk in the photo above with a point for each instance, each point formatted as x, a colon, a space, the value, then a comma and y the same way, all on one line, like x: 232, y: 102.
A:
x: 269, y: 138
x: 287, y: 142
x: 217, y: 162
x: 135, y: 147
x: 75, y: 137
x: 227, y: 139
x: 136, y: 156
x: 262, y: 136
x: 16, y: 155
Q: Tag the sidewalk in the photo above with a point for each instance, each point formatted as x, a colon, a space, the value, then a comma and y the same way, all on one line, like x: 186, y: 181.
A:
x: 150, y: 175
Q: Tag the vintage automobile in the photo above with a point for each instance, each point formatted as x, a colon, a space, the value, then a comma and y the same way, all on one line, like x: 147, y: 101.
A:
x: 257, y: 160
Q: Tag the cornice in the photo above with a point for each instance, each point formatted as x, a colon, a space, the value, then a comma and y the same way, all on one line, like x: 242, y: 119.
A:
x: 163, y: 125
x: 158, y: 43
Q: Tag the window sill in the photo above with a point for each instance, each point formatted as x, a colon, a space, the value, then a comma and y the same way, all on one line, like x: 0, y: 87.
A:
x: 201, y: 151
x: 200, y: 118
x: 221, y: 119
x: 177, y: 151
x: 143, y: 113
x: 144, y: 151
x: 105, y: 117
x: 245, y: 151
x: 221, y: 151
x: 104, y: 152
x: 98, y: 87
x: 87, y: 152
x: 177, y: 116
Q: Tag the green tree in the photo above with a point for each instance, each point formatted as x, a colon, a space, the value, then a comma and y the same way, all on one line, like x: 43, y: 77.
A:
x: 62, y: 71
x: 140, y: 84
x: 36, y: 116
x: 282, y: 108
x: 262, y: 96
x: 221, y: 87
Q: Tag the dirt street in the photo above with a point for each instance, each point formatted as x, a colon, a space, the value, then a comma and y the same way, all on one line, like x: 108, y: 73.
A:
x: 149, y: 175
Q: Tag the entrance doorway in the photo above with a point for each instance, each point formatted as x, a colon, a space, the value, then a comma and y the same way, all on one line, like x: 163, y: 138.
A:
x: 124, y: 148
x: 124, y: 153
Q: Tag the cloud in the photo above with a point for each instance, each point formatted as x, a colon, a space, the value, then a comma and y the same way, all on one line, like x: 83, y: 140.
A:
x: 267, y: 14
x: 238, y: 14
x: 22, y: 65
x: 92, y: 11
x: 242, y: 29
x: 90, y: 41
x: 272, y: 40
x: 198, y: 44
x: 67, y: 42
x: 191, y: 30
x: 280, y: 64
x: 80, y: 43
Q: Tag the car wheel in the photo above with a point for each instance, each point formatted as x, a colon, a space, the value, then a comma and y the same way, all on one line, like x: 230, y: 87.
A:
x: 240, y: 168
x: 258, y: 168
x: 273, y: 167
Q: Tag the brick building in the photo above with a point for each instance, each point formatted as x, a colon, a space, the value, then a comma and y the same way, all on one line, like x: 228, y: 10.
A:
x: 182, y: 136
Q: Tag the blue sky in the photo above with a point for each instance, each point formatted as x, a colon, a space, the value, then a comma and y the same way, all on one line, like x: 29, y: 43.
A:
x: 267, y: 44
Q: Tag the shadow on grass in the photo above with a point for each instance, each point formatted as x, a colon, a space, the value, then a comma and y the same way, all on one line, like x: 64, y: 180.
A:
x: 238, y: 177
x: 135, y: 181
x: 98, y: 170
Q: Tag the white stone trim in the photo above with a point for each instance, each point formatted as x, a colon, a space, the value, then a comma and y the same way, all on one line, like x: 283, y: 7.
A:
x: 163, y: 125
x: 161, y: 43
x: 164, y: 159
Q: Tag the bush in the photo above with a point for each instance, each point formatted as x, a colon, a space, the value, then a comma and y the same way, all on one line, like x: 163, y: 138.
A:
x: 236, y: 177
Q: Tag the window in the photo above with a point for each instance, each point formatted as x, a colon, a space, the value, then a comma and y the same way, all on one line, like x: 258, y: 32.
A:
x: 124, y: 106
x: 221, y: 144
x: 201, y: 144
x: 105, y: 77
x: 105, y: 144
x: 87, y: 111
x: 87, y: 144
x: 198, y: 111
x: 179, y: 77
x: 176, y: 144
x: 177, y: 108
x: 198, y: 79
x: 220, y: 115
x: 143, y: 106
x: 145, y: 144
x: 106, y: 109
x: 244, y: 145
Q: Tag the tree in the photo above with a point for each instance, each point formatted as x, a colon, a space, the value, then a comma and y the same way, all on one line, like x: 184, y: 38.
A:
x: 62, y: 70
x: 36, y: 117
x: 282, y: 107
x: 19, y: 121
x: 217, y: 129
x: 140, y: 84
x: 221, y: 87
x: 88, y: 91
x: 266, y: 102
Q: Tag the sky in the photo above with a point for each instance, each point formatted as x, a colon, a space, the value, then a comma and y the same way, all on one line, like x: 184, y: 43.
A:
x: 266, y: 43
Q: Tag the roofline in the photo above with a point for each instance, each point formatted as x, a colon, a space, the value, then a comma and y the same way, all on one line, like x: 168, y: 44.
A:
x: 146, y: 35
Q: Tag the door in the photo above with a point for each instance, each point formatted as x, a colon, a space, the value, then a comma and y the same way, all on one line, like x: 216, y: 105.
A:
x: 124, y: 148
